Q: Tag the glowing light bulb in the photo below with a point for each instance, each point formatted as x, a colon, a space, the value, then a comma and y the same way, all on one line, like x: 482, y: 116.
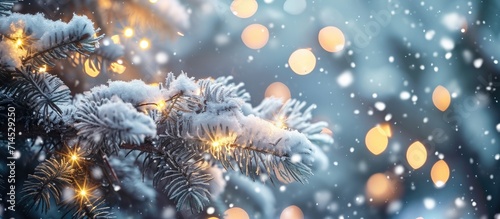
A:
x: 115, y: 39
x: 302, y: 61
x: 441, y: 98
x: 440, y: 173
x: 244, y: 8
x: 83, y: 193
x: 19, y: 43
x: 128, y: 32
x: 117, y: 68
x: 255, y: 36
x: 376, y: 140
x: 292, y: 212
x: 331, y: 39
x: 416, y: 155
x: 74, y: 157
x: 42, y: 69
x: 161, y: 105
x: 216, y: 144
x: 278, y: 90
x: 144, y: 44
x: 236, y: 213
x: 90, y: 69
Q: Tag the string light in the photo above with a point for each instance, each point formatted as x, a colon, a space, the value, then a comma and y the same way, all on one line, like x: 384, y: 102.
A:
x: 144, y: 43
x: 19, y: 42
x: 128, y: 32
x: 42, y: 69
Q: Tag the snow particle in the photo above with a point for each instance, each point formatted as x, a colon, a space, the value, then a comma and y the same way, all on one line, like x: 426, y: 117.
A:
x: 345, y: 79
x: 429, y: 203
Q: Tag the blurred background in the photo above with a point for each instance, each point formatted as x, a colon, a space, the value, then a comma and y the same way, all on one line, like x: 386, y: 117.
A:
x: 384, y: 74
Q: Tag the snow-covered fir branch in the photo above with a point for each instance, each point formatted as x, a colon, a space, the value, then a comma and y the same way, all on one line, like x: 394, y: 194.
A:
x: 90, y: 147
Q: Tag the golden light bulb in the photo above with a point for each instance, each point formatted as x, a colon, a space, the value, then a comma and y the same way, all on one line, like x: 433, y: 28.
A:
x: 292, y: 212
x: 278, y: 90
x: 19, y: 42
x: 128, y: 32
x: 117, y: 68
x: 115, y: 39
x: 416, y: 155
x: 216, y: 144
x: 244, y: 8
x: 236, y: 213
x: 74, y: 157
x: 144, y: 44
x: 331, y: 39
x: 376, y: 140
x: 83, y: 193
x: 441, y: 98
x: 42, y: 69
x: 440, y: 173
x: 302, y: 61
x: 255, y: 36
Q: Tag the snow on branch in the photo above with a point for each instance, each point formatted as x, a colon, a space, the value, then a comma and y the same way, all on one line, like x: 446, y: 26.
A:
x: 110, y: 123
x: 37, y: 41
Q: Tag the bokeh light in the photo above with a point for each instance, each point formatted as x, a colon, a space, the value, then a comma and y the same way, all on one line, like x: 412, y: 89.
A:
x: 278, y: 90
x: 376, y: 140
x: 441, y: 98
x: 144, y: 43
x: 440, y: 173
x: 90, y: 69
x: 416, y: 155
x: 128, y: 32
x: 292, y: 212
x: 244, y: 8
x: 117, y: 68
x: 331, y: 39
x: 255, y: 36
x: 381, y: 188
x: 236, y: 213
x: 302, y: 61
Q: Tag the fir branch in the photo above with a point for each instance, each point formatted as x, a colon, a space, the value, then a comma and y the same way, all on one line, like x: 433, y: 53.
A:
x: 180, y: 176
x: 61, y: 45
x: 111, y: 123
x: 47, y: 182
x: 102, y: 59
x: 6, y: 6
x: 94, y: 208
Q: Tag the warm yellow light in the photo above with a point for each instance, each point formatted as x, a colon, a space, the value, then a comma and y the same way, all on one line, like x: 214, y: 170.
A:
x: 278, y: 90
x: 74, y: 157
x: 441, y: 98
x: 244, y: 8
x: 236, y: 213
x: 331, y: 39
x: 255, y: 36
x: 387, y: 129
x: 128, y: 32
x: 381, y: 188
x: 416, y: 155
x: 216, y: 144
x: 376, y: 140
x: 302, y: 61
x: 144, y: 44
x: 153, y: 1
x: 83, y: 193
x: 115, y: 39
x: 292, y: 212
x: 42, y: 69
x: 440, y: 173
x: 19, y: 43
x: 90, y: 69
x: 161, y: 105
x: 117, y: 68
